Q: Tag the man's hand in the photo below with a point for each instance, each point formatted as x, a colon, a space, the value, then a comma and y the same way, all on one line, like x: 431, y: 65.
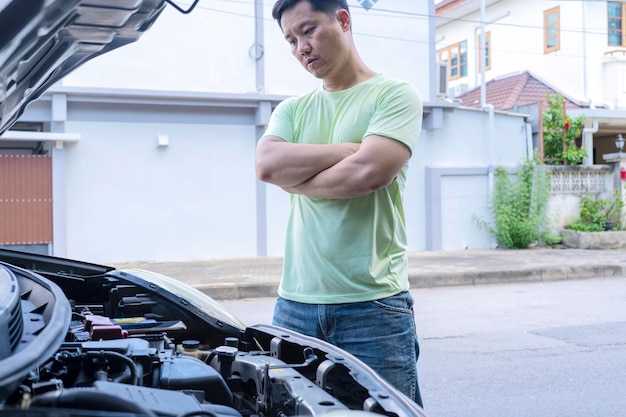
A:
x: 288, y: 164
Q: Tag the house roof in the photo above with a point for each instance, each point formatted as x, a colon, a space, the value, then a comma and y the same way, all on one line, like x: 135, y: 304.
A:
x: 445, y: 5
x: 450, y: 10
x: 509, y: 92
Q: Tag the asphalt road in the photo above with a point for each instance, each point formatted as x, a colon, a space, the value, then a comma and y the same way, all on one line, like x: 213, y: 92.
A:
x: 533, y: 349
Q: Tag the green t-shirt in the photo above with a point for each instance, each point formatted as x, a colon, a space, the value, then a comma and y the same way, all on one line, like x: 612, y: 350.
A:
x: 348, y: 250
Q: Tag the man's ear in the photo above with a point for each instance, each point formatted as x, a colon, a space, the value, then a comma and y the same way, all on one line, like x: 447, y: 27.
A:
x: 343, y: 17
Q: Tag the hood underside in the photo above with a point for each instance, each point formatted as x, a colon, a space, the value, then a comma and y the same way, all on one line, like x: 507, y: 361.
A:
x: 43, y: 41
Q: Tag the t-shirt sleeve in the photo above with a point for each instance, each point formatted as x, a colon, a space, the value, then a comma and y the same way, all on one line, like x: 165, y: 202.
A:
x: 398, y: 115
x: 281, y: 121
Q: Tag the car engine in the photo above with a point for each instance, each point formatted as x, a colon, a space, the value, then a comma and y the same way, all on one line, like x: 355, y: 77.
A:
x: 90, y: 340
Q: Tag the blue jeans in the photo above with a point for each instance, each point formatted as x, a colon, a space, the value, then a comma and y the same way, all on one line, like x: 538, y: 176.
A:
x: 381, y: 333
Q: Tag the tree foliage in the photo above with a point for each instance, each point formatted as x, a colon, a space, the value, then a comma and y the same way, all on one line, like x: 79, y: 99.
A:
x: 560, y: 133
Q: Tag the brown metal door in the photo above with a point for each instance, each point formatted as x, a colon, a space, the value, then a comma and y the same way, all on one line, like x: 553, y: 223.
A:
x: 25, y: 199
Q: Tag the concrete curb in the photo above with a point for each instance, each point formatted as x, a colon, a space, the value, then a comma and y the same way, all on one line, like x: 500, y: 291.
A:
x: 221, y: 291
x: 517, y: 275
x: 242, y: 291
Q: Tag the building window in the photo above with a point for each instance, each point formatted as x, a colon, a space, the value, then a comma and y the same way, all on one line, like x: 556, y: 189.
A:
x: 456, y: 58
x: 615, y: 13
x: 551, y: 30
x: 487, y: 46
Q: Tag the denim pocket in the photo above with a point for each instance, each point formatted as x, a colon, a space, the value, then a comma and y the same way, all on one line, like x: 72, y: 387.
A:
x: 400, y: 303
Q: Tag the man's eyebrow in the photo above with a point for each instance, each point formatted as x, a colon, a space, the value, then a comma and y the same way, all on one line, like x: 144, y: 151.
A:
x: 301, y: 26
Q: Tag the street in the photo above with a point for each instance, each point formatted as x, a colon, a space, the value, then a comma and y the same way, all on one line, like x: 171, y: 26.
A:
x: 534, y: 349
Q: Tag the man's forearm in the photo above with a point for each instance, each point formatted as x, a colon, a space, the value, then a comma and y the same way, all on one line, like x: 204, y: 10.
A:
x: 342, y: 180
x: 289, y: 164
x: 374, y: 166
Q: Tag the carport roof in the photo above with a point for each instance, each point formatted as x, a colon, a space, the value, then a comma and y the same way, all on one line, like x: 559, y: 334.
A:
x: 610, y: 121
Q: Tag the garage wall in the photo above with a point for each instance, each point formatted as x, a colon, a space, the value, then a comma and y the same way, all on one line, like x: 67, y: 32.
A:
x: 458, y: 165
x: 130, y: 199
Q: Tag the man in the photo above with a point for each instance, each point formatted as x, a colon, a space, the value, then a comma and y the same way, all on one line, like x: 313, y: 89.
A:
x: 342, y: 150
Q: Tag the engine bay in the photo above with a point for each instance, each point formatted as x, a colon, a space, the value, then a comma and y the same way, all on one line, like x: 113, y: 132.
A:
x: 100, y: 341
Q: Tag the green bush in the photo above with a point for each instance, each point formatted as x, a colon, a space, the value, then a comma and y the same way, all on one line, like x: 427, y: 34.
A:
x: 596, y: 212
x: 552, y: 239
x: 582, y: 226
x: 519, y: 206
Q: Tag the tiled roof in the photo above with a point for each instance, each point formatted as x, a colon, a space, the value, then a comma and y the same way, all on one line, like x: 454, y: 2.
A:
x: 516, y: 90
x: 445, y: 5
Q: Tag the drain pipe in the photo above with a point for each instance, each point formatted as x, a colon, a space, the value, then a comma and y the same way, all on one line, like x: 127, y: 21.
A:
x: 481, y: 50
x: 529, y: 139
x: 587, y: 131
x: 588, y: 141
x: 483, y: 98
x: 490, y: 144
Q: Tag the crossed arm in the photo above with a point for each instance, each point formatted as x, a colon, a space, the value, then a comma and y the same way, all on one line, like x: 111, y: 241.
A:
x: 344, y: 170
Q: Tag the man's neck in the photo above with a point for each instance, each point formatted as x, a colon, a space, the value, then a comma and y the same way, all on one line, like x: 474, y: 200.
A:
x: 348, y: 78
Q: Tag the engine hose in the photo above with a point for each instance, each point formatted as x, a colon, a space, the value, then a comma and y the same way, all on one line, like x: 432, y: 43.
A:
x: 110, y: 354
x: 88, y: 399
x: 126, y: 377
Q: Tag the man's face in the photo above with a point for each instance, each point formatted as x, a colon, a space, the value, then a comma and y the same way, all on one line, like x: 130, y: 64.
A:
x: 317, y: 40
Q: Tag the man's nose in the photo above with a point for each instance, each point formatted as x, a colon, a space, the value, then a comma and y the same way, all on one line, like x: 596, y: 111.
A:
x: 304, y: 47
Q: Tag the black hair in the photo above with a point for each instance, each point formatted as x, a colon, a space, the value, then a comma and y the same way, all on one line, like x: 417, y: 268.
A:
x: 325, y: 6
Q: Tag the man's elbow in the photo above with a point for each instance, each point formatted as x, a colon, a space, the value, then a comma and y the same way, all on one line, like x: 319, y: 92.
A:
x: 264, y: 172
x: 264, y: 164
x: 271, y: 173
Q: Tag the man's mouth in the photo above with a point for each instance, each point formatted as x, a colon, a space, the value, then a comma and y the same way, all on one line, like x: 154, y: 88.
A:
x: 310, y: 61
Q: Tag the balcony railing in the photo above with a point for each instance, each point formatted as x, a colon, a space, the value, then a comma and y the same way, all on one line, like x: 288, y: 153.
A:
x: 616, y: 53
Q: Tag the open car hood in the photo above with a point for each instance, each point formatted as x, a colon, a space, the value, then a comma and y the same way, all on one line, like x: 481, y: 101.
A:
x: 81, y: 339
x: 41, y: 41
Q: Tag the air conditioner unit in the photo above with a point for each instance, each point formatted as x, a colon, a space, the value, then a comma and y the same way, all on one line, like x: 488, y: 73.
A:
x: 442, y: 80
x: 458, y: 89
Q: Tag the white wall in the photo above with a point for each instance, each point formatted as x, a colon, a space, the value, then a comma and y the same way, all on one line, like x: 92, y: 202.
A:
x: 205, y: 50
x: 464, y: 198
x: 208, y: 50
x: 459, y: 158
x: 562, y: 210
x: 394, y: 39
x: 473, y: 138
x: 129, y: 200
